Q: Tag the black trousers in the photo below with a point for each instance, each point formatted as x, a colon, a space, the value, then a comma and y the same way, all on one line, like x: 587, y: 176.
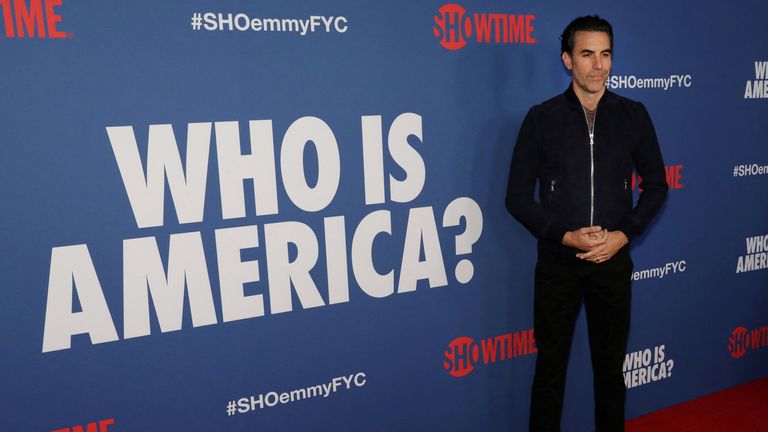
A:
x: 562, y: 283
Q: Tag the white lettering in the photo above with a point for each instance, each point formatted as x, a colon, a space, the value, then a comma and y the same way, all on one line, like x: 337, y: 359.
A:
x: 235, y: 273
x: 282, y: 272
x: 341, y: 28
x: 146, y: 194
x: 336, y: 260
x: 371, y: 282
x: 302, y: 131
x: 760, y: 69
x: 373, y: 160
x: 71, y: 266
x: 421, y: 232
x: 143, y: 274
x: 235, y: 167
x: 404, y: 126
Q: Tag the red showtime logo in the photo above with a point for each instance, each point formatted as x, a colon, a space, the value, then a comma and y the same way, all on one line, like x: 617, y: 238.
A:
x: 674, y: 174
x: 464, y: 353
x: 743, y: 340
x: 453, y: 27
x: 32, y: 18
x: 99, y: 426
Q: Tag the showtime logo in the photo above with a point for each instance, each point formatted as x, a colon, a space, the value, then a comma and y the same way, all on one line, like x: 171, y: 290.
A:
x: 453, y: 27
x: 100, y: 426
x: 743, y: 340
x: 464, y: 353
x: 26, y: 19
x: 674, y: 175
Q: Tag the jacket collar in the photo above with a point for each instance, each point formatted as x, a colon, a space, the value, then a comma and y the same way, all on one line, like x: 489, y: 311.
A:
x: 571, y: 97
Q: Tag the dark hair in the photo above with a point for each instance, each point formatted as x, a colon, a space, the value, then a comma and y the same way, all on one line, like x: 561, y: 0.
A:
x: 586, y: 23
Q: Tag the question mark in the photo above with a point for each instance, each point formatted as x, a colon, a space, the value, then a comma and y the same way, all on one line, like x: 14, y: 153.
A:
x: 466, y: 208
x: 670, y: 365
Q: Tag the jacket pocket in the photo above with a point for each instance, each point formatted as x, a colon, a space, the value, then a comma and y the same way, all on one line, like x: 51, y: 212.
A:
x: 627, y: 192
x: 552, y: 187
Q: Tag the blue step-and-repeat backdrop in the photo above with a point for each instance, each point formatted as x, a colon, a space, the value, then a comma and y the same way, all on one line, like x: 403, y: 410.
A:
x: 252, y: 215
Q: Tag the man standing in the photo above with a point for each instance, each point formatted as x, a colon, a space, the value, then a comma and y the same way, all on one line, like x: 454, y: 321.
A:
x: 581, y: 147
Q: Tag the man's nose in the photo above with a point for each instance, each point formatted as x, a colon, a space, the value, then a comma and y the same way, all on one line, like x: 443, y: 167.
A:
x: 597, y: 63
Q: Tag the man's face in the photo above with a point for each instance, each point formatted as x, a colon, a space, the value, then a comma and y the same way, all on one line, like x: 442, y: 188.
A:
x: 590, y: 61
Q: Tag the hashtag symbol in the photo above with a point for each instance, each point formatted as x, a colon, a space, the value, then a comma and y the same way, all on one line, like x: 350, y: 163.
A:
x: 231, y: 408
x: 197, y: 21
x: 736, y: 171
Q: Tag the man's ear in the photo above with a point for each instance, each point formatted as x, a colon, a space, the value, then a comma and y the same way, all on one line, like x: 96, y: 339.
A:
x: 567, y: 60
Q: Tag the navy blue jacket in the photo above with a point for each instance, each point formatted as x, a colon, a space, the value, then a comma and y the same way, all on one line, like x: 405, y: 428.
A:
x: 583, y: 184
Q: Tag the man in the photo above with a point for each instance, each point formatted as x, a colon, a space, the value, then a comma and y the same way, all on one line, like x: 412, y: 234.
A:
x: 582, y: 146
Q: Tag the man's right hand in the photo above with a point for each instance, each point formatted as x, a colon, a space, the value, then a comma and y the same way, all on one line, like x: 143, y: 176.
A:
x: 586, y: 238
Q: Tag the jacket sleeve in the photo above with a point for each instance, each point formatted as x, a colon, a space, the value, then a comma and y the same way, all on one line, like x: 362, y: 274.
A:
x: 523, y: 174
x: 650, y: 167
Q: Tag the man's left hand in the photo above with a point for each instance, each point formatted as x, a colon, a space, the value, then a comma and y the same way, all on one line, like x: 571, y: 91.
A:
x: 615, y: 241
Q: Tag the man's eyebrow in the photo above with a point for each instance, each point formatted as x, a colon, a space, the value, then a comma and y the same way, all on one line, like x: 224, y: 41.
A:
x: 589, y: 51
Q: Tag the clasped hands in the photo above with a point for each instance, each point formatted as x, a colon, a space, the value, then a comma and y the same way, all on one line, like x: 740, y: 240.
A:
x: 599, y: 245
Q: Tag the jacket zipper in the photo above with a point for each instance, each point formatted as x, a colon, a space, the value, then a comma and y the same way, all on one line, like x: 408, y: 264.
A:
x: 591, y: 165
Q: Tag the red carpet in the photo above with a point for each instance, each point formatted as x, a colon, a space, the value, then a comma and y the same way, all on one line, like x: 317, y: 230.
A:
x: 737, y: 409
